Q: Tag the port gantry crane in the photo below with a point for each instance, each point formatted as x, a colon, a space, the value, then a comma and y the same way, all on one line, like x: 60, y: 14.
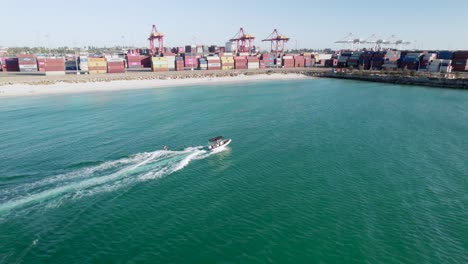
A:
x: 396, y: 42
x: 277, y: 42
x: 243, y: 41
x: 158, y: 36
x: 351, y: 40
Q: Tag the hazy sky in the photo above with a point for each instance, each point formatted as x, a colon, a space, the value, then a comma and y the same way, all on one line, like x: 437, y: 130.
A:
x: 309, y: 23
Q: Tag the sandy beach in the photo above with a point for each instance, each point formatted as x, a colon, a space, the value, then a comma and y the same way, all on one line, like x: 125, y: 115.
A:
x: 65, y: 87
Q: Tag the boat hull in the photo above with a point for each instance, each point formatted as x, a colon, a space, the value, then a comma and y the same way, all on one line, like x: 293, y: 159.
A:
x: 225, y: 143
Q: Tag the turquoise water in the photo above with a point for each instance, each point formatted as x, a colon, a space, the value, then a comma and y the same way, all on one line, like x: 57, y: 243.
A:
x: 319, y: 171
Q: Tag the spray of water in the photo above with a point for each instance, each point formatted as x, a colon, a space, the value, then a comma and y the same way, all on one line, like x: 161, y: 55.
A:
x: 108, y: 176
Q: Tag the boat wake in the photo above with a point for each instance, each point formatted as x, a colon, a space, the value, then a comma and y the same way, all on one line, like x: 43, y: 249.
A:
x: 52, y: 191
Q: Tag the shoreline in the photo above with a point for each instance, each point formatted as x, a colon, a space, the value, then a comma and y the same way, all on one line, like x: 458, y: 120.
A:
x: 104, y: 85
x: 14, y: 85
x: 418, y: 80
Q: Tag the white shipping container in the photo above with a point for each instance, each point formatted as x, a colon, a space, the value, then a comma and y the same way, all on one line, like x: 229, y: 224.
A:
x: 288, y: 57
x: 446, y: 69
x: 324, y: 56
x: 34, y: 66
x: 214, y: 64
x: 253, y: 65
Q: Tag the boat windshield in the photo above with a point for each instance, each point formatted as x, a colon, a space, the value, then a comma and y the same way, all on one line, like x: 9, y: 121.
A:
x: 216, y: 139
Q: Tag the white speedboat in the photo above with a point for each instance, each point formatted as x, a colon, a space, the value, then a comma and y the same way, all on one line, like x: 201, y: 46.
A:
x: 218, y: 142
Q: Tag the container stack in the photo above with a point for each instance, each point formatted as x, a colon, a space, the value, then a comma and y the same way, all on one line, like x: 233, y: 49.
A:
x: 190, y: 60
x: 190, y: 49
x: 288, y: 62
x: 410, y: 61
x: 214, y: 63
x: 262, y: 64
x: 83, y: 63
x: 27, y: 63
x: 134, y: 61
x: 343, y: 59
x: 145, y: 61
x: 426, y: 60
x: 54, y: 66
x: 366, y: 59
x: 202, y: 64
x: 170, y: 61
x: 269, y: 60
x: 240, y: 62
x: 331, y: 63
x: 446, y: 66
x: 354, y: 59
x: 10, y: 64
x: 227, y: 62
x: 115, y: 66
x: 299, y: 61
x: 460, y: 61
x: 159, y: 64
x: 378, y: 60
x: 41, y: 64
x: 179, y: 63
x: 253, y: 62
x: 434, y: 66
x: 71, y: 65
x: 309, y: 62
x: 445, y: 55
x: 322, y: 60
x: 97, y: 65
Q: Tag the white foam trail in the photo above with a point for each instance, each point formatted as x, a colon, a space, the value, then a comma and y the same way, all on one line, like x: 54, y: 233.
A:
x: 108, y: 176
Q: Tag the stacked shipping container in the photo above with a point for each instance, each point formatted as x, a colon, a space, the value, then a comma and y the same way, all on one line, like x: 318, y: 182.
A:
x: 10, y: 64
x: 240, y: 62
x: 253, y: 62
x: 299, y: 61
x: 460, y: 61
x: 202, y: 64
x: 115, y: 66
x: 227, y: 62
x: 411, y: 61
x: 288, y: 62
x: 27, y: 63
x: 179, y: 63
x: 97, y: 65
x: 214, y: 63
x: 426, y: 59
x: 159, y: 64
x: 269, y: 60
x: 54, y: 64
x: 190, y: 60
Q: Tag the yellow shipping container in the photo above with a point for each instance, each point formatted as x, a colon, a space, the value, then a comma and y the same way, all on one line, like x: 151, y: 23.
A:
x: 227, y: 67
x: 97, y: 64
x: 96, y: 59
x: 97, y: 72
x: 227, y: 59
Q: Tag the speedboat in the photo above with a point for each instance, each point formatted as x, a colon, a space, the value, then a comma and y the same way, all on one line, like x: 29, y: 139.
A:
x: 218, y: 142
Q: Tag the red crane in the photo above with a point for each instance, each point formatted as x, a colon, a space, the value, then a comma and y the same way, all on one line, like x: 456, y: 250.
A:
x: 155, y: 35
x: 243, y: 41
x: 277, y: 42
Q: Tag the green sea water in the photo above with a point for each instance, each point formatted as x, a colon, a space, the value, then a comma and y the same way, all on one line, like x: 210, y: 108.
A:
x: 319, y: 171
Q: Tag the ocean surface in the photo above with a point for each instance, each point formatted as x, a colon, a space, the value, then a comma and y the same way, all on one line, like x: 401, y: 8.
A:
x: 319, y: 171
